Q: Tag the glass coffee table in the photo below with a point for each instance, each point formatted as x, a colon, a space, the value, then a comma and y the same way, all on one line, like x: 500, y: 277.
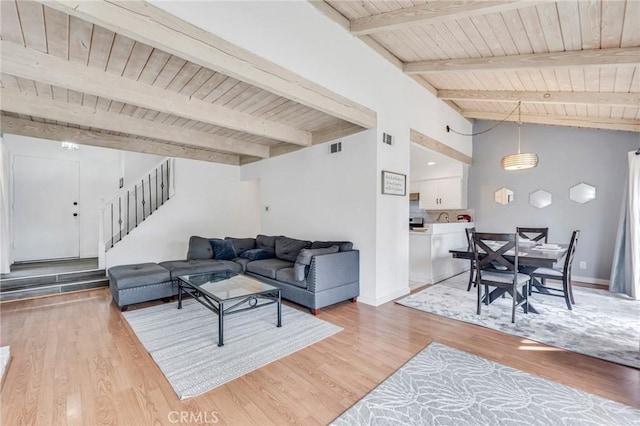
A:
x: 227, y: 292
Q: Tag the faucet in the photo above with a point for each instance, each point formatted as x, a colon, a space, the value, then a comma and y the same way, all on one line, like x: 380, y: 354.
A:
x: 446, y: 217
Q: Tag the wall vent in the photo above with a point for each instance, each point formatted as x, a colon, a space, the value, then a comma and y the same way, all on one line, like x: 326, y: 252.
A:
x: 387, y: 138
x: 335, y: 147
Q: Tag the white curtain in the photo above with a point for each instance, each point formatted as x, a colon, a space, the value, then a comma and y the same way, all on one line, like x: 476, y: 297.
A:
x: 625, y: 272
x: 5, y: 253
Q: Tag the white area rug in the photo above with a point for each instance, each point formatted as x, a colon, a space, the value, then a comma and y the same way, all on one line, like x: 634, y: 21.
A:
x: 602, y: 324
x: 445, y: 386
x: 5, y: 356
x: 184, y: 343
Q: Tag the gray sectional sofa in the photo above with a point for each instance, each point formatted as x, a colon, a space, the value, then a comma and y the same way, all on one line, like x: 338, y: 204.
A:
x: 313, y: 274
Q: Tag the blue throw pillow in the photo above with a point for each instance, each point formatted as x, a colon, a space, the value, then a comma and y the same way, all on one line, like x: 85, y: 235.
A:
x: 257, y: 254
x: 223, y: 250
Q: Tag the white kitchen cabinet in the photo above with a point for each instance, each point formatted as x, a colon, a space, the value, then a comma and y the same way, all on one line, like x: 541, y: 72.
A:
x: 429, y: 258
x: 441, y: 194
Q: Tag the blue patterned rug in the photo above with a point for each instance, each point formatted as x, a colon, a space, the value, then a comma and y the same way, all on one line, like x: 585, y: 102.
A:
x: 445, y: 386
x: 602, y: 324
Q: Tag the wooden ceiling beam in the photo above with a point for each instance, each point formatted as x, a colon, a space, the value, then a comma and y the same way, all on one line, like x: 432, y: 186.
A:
x: 36, y: 106
x: 628, y: 125
x: 434, y: 145
x: 150, y: 25
x: 586, y: 98
x: 56, y: 132
x: 432, y: 13
x: 578, y: 58
x: 33, y: 65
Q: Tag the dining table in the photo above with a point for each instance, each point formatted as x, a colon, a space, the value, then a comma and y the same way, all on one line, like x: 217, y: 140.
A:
x: 529, y: 257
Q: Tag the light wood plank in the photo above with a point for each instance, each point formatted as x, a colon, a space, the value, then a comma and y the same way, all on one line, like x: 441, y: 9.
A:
x: 629, y: 125
x: 79, y: 40
x: 57, y: 25
x: 428, y: 142
x: 10, y: 27
x: 80, y: 115
x: 430, y: 13
x: 590, y: 19
x: 630, y: 28
x: 150, y: 25
x: 33, y: 29
x: 28, y: 63
x: 61, y: 133
x: 585, y: 58
x: 120, y: 54
x: 570, y: 26
x: 101, y: 42
x: 613, y: 13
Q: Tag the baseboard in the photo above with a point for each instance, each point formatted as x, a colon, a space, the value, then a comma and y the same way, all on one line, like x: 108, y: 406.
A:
x: 384, y: 299
x: 590, y: 280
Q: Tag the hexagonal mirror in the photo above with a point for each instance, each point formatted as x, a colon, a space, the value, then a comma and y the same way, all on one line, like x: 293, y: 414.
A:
x: 582, y: 193
x: 540, y: 199
x: 503, y: 196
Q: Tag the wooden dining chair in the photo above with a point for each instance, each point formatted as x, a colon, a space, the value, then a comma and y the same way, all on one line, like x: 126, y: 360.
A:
x: 563, y: 275
x: 472, y: 265
x: 489, y: 250
x: 533, y: 234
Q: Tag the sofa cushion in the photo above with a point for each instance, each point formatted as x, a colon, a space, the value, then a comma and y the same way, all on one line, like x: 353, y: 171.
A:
x: 342, y: 245
x: 199, y: 248
x: 288, y: 248
x: 223, y: 250
x: 187, y: 267
x: 266, y: 242
x: 242, y: 262
x: 287, y: 275
x: 257, y: 254
x: 304, y: 260
x: 242, y: 244
x: 268, y: 267
x: 138, y: 275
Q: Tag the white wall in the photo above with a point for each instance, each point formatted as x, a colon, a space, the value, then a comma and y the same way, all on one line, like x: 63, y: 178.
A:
x: 210, y: 201
x: 135, y: 166
x: 314, y: 195
x: 99, y: 172
x: 297, y: 36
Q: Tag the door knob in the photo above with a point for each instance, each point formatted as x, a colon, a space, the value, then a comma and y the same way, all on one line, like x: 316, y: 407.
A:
x: 75, y: 214
x: 75, y: 203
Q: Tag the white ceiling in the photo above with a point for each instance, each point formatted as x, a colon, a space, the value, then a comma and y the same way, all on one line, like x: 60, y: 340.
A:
x: 420, y: 156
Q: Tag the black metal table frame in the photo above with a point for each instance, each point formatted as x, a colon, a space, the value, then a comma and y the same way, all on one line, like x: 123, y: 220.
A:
x: 272, y: 296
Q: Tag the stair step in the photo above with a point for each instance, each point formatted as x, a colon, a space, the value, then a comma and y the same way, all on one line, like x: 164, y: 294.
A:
x: 9, y: 284
x: 52, y: 289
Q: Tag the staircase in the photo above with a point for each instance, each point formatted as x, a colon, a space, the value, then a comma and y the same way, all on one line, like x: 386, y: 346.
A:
x: 132, y: 206
x: 36, y: 279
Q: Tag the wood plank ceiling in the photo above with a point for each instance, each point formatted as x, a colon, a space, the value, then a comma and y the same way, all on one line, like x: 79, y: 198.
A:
x: 570, y: 62
x: 111, y: 75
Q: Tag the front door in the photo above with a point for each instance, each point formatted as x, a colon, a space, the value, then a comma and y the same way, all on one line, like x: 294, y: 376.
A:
x: 46, y: 222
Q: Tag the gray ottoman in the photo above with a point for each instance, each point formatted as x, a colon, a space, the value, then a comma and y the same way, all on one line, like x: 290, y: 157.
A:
x: 138, y: 283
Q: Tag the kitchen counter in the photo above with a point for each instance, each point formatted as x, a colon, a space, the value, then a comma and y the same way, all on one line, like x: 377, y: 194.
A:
x: 429, y: 257
x: 442, y: 228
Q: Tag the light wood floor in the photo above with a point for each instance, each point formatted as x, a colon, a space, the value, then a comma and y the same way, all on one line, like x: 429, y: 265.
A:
x: 77, y: 362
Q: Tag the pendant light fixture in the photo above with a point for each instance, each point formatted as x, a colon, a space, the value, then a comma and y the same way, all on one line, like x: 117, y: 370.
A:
x: 521, y: 160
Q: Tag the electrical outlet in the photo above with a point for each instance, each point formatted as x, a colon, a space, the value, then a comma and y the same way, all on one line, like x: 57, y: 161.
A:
x: 583, y: 265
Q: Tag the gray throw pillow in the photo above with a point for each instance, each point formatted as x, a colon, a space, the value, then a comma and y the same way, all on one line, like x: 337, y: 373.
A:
x: 304, y: 260
x: 223, y: 250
